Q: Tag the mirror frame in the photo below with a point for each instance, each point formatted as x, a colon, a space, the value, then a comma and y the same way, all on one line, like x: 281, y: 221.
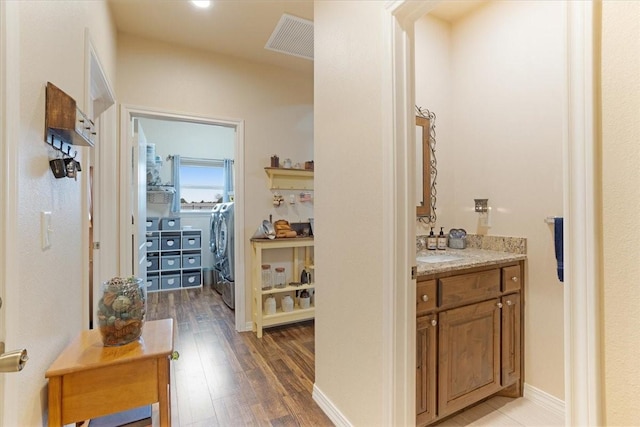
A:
x: 426, y: 211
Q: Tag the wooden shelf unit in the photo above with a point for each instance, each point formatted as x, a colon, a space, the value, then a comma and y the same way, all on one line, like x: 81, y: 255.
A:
x: 261, y: 320
x: 289, y: 179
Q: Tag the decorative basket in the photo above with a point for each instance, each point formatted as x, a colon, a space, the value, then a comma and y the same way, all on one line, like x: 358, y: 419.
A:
x: 159, y: 197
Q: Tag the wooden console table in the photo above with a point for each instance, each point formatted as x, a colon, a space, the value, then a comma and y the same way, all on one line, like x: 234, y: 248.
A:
x: 88, y: 380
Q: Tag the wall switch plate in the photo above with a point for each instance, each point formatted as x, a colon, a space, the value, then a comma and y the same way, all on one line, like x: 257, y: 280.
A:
x: 45, y: 229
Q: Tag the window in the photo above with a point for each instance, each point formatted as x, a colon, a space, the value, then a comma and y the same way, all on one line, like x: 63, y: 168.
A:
x: 201, y: 183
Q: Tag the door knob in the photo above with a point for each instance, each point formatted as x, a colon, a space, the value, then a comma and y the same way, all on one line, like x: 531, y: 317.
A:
x: 425, y: 298
x: 12, y: 361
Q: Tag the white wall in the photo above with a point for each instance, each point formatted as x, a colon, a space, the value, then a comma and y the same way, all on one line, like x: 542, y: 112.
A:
x: 44, y: 293
x: 276, y: 105
x: 621, y: 204
x: 503, y: 141
x: 349, y: 151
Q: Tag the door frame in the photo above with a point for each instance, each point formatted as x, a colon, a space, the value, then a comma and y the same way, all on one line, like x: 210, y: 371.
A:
x: 99, y: 103
x: 127, y: 112
x: 582, y: 316
x: 9, y: 144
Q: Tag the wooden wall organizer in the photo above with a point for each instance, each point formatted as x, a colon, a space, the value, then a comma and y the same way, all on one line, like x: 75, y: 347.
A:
x: 65, y: 124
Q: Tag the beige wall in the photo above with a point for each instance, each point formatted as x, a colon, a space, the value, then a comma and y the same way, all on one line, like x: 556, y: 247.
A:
x: 44, y: 305
x: 434, y: 90
x: 501, y: 139
x: 621, y: 204
x: 349, y: 155
x: 276, y: 105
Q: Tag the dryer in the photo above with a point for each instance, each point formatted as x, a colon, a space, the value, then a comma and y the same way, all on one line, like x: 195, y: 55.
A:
x: 225, y: 250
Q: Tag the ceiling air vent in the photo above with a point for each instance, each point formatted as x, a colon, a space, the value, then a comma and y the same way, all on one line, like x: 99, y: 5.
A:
x: 292, y: 36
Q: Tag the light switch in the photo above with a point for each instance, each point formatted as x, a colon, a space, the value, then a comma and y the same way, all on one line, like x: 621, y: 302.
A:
x: 45, y: 229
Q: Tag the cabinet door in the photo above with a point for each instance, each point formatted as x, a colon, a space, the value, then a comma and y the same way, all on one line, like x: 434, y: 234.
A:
x: 511, y: 339
x: 426, y: 369
x: 469, y: 355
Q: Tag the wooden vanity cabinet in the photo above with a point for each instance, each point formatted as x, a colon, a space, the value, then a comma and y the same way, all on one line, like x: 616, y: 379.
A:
x: 468, y: 355
x: 469, y: 343
x: 426, y: 357
x: 511, y: 339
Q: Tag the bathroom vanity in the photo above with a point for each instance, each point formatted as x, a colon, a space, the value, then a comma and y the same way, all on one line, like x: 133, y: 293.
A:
x: 469, y: 329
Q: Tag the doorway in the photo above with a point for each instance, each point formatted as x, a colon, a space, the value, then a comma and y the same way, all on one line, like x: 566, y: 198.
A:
x: 582, y: 361
x: 168, y: 134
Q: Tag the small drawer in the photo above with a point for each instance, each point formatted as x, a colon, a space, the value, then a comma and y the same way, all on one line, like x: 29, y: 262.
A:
x: 170, y: 282
x: 170, y: 261
x: 170, y: 224
x: 191, y: 278
x: 153, y: 282
x: 191, y: 242
x: 153, y: 244
x: 511, y: 278
x: 153, y: 223
x: 170, y: 242
x: 153, y: 263
x: 425, y: 296
x: 191, y: 261
x: 469, y: 287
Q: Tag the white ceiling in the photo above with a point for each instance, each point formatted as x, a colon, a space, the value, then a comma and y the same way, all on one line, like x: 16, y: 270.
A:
x: 239, y: 28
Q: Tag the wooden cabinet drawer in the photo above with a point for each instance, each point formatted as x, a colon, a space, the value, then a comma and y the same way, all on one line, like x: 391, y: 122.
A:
x: 511, y: 278
x: 425, y: 296
x: 470, y: 287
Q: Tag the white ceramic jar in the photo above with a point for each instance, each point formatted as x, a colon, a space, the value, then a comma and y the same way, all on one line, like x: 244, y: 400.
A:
x: 270, y: 305
x: 287, y: 303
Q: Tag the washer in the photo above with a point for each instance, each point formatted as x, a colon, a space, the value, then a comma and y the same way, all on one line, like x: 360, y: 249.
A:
x: 213, y: 232
x: 213, y: 244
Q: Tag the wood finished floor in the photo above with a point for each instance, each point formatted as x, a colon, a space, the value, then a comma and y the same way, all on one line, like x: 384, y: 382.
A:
x: 227, y: 378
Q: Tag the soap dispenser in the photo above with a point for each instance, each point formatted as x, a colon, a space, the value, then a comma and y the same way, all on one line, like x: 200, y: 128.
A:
x: 442, y: 240
x: 432, y: 241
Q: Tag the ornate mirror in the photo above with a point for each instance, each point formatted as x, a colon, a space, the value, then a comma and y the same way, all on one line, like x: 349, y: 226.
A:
x: 426, y: 165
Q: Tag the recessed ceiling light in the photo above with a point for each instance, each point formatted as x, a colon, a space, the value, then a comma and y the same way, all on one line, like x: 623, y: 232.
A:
x: 203, y: 4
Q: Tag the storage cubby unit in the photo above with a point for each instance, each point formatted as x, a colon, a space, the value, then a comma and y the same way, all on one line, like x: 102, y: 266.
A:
x: 174, y: 256
x: 261, y: 320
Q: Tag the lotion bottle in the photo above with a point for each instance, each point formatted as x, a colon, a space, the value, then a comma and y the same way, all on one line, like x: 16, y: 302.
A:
x: 442, y: 240
x: 432, y: 241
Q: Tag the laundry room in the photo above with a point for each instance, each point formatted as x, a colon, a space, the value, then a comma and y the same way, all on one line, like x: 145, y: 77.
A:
x: 189, y: 174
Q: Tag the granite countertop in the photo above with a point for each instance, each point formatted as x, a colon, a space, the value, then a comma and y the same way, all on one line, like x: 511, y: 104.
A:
x: 469, y: 258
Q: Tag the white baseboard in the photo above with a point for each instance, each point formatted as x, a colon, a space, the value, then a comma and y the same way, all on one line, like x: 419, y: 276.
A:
x: 544, y: 399
x: 329, y: 408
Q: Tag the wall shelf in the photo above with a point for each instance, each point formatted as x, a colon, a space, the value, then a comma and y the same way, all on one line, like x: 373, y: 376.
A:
x: 290, y: 179
x: 65, y: 124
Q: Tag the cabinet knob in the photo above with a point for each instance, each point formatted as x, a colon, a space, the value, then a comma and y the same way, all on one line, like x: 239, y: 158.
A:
x: 499, y: 305
x: 514, y: 278
x: 425, y: 298
x: 434, y: 322
x: 509, y: 302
